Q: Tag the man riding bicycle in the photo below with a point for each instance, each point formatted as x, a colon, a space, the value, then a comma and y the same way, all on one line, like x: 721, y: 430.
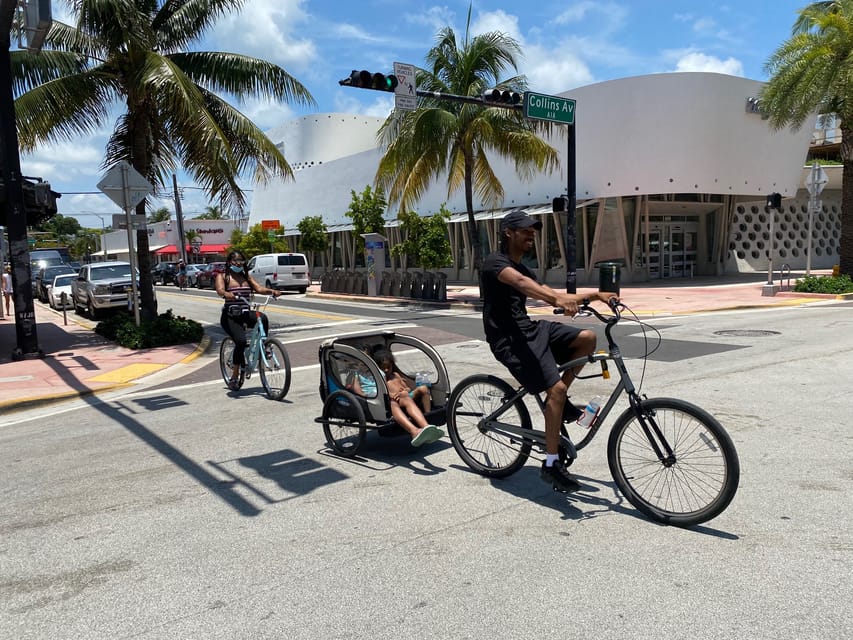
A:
x: 533, y: 349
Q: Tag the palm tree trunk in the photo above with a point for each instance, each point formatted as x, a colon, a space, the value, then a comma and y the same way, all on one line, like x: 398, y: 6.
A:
x: 473, y: 234
x: 845, y: 247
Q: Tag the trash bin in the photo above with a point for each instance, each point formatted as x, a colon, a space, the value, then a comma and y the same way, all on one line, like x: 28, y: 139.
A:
x: 441, y: 287
x: 609, y: 275
x: 417, y: 285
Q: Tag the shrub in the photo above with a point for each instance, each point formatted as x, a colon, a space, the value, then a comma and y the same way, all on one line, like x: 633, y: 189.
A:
x: 825, y: 284
x: 164, y: 330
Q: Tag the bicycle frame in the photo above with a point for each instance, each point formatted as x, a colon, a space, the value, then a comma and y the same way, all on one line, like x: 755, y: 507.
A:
x: 625, y: 385
x: 254, y: 346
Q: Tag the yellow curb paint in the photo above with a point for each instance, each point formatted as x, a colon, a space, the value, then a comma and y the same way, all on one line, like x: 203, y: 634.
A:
x: 199, y: 350
x: 25, y: 403
x: 128, y: 373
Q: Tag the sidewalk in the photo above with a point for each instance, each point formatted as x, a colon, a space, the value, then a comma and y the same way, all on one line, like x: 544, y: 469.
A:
x: 78, y: 361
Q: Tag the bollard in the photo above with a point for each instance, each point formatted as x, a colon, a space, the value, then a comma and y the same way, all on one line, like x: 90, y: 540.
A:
x: 417, y: 285
x: 385, y: 285
x: 428, y: 291
x: 406, y: 285
x: 63, y: 300
x: 395, y: 285
x: 441, y: 287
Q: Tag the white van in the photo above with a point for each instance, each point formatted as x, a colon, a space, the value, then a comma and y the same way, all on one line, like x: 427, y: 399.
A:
x: 281, y: 271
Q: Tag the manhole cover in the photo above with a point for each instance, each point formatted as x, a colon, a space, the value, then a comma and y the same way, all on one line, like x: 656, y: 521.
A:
x: 746, y: 333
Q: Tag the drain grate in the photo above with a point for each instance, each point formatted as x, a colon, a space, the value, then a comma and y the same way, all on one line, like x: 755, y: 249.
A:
x: 746, y: 333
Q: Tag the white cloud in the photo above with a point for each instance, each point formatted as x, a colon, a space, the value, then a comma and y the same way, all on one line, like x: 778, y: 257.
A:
x: 554, y: 71
x: 695, y: 61
x: 496, y: 21
x: 267, y: 29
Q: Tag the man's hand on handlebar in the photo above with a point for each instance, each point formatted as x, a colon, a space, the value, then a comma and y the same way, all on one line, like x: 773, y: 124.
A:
x: 569, y: 303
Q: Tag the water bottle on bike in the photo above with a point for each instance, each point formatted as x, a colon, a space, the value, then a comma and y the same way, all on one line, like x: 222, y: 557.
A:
x: 590, y: 412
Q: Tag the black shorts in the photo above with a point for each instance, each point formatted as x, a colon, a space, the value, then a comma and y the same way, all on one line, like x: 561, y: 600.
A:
x: 533, y: 360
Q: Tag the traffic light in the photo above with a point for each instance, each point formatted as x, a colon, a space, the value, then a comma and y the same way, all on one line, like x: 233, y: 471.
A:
x: 774, y: 201
x: 503, y: 97
x: 366, y: 80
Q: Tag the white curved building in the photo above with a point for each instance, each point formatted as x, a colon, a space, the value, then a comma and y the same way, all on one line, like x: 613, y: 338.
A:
x: 673, y: 171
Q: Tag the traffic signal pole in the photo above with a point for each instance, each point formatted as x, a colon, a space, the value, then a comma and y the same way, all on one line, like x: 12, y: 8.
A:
x: 548, y: 108
x: 16, y: 216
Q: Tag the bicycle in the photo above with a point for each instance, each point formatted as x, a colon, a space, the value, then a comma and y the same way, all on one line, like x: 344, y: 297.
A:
x: 271, y: 361
x: 671, y: 459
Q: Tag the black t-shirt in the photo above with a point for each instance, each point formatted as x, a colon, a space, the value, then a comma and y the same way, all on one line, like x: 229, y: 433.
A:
x: 504, y: 307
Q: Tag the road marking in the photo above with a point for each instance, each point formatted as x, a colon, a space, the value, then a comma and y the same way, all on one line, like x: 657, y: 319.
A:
x: 274, y: 309
x: 128, y: 373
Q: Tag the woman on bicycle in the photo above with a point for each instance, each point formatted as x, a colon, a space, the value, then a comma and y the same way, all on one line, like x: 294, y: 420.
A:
x: 235, y: 285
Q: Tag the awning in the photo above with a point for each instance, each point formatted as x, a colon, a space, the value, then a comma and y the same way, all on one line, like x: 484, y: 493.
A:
x: 205, y: 248
x: 213, y: 248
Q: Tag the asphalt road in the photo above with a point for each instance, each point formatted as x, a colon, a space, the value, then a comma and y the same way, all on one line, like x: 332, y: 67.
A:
x: 186, y: 511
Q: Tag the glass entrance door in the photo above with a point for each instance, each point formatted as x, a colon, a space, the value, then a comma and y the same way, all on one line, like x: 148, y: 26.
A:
x: 672, y: 249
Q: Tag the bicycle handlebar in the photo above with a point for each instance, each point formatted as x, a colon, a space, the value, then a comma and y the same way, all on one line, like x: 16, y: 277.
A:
x: 584, y: 308
x: 256, y: 305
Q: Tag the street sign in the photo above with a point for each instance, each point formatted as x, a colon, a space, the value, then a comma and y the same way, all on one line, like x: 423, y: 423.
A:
x: 816, y: 180
x: 120, y: 176
x: 271, y: 235
x: 120, y: 221
x: 268, y: 225
x: 406, y: 93
x: 538, y: 106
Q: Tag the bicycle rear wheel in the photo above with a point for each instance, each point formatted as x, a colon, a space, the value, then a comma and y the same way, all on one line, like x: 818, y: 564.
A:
x: 343, y: 422
x: 226, y: 364
x: 487, y: 452
x: 275, y: 371
x: 696, y: 484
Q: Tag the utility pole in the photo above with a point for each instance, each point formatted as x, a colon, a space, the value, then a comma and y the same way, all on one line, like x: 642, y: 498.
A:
x: 179, y: 217
x: 16, y: 216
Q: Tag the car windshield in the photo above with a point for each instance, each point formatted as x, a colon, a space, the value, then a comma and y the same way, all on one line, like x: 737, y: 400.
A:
x: 64, y: 281
x: 111, y: 272
x: 51, y: 272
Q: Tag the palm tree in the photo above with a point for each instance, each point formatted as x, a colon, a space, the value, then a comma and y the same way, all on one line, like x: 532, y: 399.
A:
x: 810, y: 73
x: 134, y: 53
x: 449, y: 138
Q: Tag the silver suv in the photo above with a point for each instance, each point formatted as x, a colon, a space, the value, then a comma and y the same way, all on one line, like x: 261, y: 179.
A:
x: 101, y: 285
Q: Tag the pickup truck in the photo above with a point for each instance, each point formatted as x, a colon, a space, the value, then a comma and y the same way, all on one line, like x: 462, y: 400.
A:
x: 100, y: 286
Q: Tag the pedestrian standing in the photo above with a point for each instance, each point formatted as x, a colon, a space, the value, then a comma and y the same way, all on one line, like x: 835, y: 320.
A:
x: 7, y: 289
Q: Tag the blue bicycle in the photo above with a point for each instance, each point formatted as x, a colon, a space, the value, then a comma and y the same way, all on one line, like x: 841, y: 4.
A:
x: 263, y: 354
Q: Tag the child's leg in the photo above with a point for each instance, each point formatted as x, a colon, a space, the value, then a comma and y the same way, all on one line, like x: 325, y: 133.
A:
x: 425, y: 397
x: 403, y: 420
x: 413, y: 410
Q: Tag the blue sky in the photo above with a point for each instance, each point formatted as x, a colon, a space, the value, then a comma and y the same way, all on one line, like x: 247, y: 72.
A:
x: 565, y: 44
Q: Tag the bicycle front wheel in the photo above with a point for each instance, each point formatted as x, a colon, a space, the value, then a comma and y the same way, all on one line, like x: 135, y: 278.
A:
x: 490, y: 453
x: 695, y: 484
x: 275, y: 370
x: 226, y: 364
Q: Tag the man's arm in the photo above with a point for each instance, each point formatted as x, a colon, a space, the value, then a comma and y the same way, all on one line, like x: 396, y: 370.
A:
x: 532, y: 289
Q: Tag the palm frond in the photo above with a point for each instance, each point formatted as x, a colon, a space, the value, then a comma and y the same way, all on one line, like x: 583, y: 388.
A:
x: 242, y: 76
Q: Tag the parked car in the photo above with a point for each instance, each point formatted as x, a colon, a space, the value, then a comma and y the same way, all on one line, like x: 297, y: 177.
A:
x: 44, y: 279
x: 282, y: 271
x: 206, y: 277
x: 164, y: 272
x: 192, y: 274
x: 101, y: 286
x: 61, y: 284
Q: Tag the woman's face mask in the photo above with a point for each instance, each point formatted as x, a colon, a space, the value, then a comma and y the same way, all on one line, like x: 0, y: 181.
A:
x: 236, y: 268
